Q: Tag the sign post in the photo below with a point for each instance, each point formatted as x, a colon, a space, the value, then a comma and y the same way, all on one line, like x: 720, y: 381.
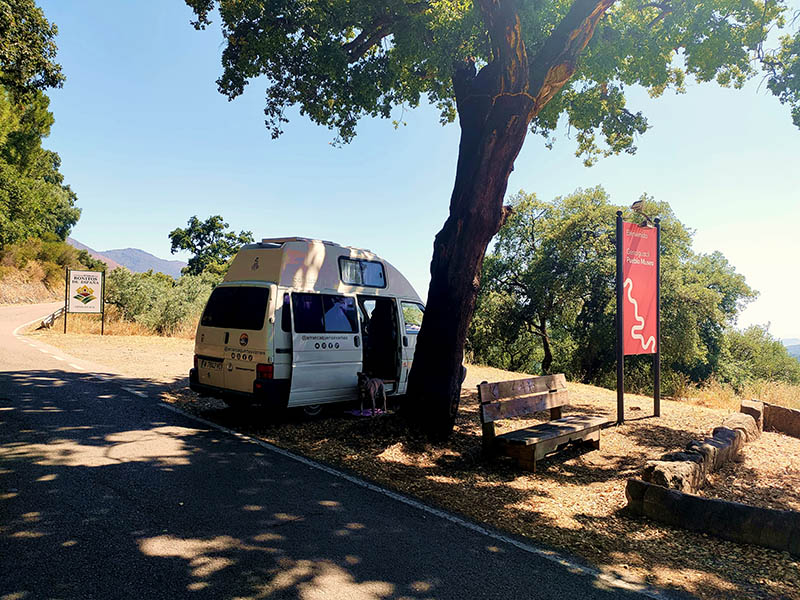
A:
x: 638, y: 303
x: 85, y: 293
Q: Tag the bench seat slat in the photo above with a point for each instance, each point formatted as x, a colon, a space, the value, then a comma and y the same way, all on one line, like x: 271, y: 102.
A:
x: 517, y: 407
x: 566, y: 428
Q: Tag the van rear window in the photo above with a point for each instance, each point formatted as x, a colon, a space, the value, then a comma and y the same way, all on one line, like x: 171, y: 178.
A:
x: 236, y: 308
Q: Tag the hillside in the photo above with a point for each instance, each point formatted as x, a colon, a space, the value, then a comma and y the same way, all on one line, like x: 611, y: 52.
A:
x: 794, y: 351
x: 140, y: 261
x: 133, y: 259
x: 112, y: 264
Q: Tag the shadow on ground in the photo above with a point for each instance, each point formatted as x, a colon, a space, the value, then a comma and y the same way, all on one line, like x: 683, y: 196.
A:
x: 107, y: 494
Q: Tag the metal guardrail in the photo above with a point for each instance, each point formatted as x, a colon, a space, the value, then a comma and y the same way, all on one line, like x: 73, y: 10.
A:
x: 48, y: 321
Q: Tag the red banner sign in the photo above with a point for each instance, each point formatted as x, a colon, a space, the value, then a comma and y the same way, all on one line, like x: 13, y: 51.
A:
x: 640, y: 288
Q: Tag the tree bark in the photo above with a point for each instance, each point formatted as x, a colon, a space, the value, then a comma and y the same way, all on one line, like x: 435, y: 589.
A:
x: 495, y: 108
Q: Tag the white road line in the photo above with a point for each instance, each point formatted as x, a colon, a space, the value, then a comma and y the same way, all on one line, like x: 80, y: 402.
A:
x: 135, y: 392
x: 74, y: 366
x: 550, y: 555
x: 58, y: 358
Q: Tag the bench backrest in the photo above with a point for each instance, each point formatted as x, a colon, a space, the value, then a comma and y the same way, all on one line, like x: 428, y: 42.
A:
x: 521, y: 397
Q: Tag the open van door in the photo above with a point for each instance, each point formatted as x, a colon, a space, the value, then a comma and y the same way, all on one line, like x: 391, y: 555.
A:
x: 412, y: 320
x: 326, y: 348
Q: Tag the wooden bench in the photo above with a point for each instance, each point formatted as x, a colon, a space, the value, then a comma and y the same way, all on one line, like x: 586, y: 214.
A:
x: 507, y: 399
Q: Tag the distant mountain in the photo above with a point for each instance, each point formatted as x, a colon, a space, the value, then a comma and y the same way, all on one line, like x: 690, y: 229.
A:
x: 133, y: 259
x: 794, y: 350
x: 140, y: 261
x: 112, y: 264
x: 790, y: 342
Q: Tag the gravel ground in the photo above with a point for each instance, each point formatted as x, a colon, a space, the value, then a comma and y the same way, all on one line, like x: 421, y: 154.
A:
x: 574, y: 502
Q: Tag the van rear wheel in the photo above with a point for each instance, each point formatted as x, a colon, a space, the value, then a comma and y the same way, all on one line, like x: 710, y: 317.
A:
x: 237, y: 403
x: 312, y: 410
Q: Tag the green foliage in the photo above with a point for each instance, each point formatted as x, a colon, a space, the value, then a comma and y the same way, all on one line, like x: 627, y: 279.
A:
x: 33, y: 198
x: 156, y: 300
x: 91, y: 263
x: 754, y: 355
x: 344, y: 59
x: 27, y: 49
x: 211, y: 244
x: 547, y: 299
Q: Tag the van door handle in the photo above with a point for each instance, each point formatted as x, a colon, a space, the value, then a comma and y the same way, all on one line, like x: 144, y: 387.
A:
x: 356, y: 341
x: 227, y: 334
x: 405, y: 341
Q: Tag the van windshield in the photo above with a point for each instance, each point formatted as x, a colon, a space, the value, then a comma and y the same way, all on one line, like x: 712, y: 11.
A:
x: 236, y: 308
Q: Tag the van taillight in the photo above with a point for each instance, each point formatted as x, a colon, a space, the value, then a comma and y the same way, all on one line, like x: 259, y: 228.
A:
x: 195, y: 361
x: 265, y: 371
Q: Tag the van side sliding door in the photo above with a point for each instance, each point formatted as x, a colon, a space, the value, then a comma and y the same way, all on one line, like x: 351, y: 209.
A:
x: 326, y: 348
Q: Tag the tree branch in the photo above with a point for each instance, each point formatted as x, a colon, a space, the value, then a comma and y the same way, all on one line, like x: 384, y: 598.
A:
x: 380, y: 28
x: 557, y: 60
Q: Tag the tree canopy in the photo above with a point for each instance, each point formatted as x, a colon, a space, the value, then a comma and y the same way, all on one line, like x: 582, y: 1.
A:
x: 27, y: 50
x: 341, y: 60
x: 209, y: 242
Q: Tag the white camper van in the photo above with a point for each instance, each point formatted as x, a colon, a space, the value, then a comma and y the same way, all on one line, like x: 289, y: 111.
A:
x: 296, y: 319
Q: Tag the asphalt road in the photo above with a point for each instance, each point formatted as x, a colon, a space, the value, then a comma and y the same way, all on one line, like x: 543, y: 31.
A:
x: 106, y: 493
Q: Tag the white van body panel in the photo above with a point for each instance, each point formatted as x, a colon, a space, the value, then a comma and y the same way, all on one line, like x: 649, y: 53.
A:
x: 319, y: 366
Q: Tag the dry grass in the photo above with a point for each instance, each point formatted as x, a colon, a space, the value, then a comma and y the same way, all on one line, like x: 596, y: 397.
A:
x: 720, y: 395
x: 115, y: 325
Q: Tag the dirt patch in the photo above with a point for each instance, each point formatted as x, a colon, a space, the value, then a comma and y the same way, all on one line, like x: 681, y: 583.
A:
x: 158, y: 359
x: 575, y: 500
x: 25, y: 287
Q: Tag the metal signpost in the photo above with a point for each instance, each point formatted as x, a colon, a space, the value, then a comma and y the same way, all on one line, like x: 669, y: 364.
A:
x: 84, y: 292
x: 638, y: 303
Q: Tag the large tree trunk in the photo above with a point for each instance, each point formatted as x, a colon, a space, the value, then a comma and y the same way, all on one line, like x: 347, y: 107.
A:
x: 495, y: 107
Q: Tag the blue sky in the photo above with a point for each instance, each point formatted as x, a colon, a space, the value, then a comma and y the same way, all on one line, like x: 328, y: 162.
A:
x: 147, y: 141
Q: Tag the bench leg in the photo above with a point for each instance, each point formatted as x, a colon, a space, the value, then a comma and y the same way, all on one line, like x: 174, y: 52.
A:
x: 527, y: 464
x: 592, y: 441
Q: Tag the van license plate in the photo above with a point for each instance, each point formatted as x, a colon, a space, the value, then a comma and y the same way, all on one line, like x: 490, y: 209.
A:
x: 213, y: 365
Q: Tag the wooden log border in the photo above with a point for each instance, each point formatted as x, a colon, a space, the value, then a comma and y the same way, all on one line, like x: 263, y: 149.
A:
x: 733, y: 521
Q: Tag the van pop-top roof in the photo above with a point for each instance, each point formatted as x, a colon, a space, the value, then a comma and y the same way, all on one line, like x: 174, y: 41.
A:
x: 315, y: 265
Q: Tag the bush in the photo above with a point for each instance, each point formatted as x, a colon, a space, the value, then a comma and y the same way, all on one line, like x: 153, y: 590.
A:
x: 157, y: 301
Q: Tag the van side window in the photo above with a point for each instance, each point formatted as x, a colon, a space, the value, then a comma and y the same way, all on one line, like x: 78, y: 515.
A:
x: 324, y: 313
x: 412, y: 316
x: 340, y: 314
x: 366, y: 273
x: 286, y: 315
